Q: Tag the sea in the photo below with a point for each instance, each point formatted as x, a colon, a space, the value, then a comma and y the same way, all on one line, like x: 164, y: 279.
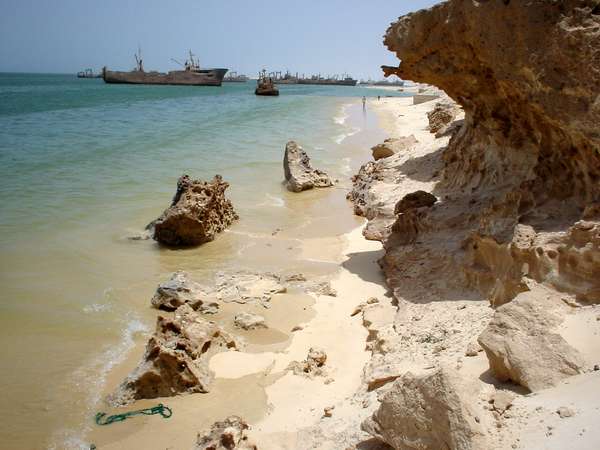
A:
x: 84, y: 166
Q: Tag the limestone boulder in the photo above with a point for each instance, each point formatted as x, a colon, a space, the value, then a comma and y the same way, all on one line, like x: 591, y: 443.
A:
x: 522, y: 345
x: 391, y: 146
x: 432, y: 410
x: 198, y: 212
x: 181, y: 289
x: 229, y: 434
x: 299, y: 174
x: 176, y: 358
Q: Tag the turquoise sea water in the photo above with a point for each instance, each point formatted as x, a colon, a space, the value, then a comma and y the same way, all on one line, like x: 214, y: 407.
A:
x: 84, y: 165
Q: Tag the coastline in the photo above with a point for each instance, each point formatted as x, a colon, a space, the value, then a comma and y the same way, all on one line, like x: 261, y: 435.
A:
x: 254, y: 383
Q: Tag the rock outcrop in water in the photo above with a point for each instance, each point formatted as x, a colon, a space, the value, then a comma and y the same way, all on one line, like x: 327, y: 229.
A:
x: 176, y: 358
x: 198, y: 212
x: 299, y: 174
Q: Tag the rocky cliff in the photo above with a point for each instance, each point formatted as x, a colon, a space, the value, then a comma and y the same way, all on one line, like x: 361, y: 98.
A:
x: 526, y: 162
x: 490, y: 227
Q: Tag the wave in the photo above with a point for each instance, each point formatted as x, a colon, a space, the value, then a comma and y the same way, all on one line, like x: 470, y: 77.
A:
x: 272, y: 200
x: 341, y: 137
x: 91, y: 379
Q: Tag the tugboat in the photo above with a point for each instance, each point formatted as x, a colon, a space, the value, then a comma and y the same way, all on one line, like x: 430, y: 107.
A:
x: 265, y: 85
x: 192, y: 75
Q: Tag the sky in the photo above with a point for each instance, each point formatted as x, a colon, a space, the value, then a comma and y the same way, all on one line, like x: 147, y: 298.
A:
x: 308, y: 36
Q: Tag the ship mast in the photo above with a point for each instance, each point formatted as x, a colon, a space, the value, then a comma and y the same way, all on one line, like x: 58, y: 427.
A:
x: 139, y: 66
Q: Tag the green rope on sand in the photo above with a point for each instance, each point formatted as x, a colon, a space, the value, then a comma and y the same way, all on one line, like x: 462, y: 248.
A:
x: 161, y: 409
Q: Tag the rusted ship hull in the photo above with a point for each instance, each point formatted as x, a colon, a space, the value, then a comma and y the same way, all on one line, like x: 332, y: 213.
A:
x: 204, y: 77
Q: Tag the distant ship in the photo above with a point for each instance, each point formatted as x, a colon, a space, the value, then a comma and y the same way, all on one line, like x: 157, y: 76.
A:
x: 88, y: 73
x: 333, y: 81
x: 233, y: 77
x: 396, y: 83
x: 288, y: 78
x: 192, y: 75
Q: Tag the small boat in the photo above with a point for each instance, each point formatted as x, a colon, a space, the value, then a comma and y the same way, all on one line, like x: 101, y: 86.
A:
x: 265, y: 85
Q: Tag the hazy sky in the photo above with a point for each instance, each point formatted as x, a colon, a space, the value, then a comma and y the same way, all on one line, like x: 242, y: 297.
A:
x: 327, y: 36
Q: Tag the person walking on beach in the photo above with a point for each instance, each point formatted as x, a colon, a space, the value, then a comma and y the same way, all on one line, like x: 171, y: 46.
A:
x: 364, y: 100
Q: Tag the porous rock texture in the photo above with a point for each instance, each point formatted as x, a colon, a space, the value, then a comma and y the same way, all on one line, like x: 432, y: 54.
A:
x: 516, y: 219
x: 229, y: 434
x: 176, y: 358
x: 181, y: 289
x: 431, y: 410
x: 528, y: 151
x: 198, y: 212
x: 299, y: 174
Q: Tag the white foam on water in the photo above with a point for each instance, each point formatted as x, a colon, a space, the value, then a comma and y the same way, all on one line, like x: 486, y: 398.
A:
x: 345, y: 168
x: 272, y: 200
x: 343, y: 115
x: 91, y: 379
x: 341, y: 137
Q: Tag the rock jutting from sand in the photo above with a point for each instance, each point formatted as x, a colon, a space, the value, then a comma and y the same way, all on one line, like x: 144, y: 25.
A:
x: 176, y: 358
x: 198, y: 212
x: 249, y: 321
x: 229, y: 434
x: 299, y: 174
x: 432, y: 410
x: 391, y: 146
x: 522, y: 346
x: 246, y: 287
x: 180, y: 289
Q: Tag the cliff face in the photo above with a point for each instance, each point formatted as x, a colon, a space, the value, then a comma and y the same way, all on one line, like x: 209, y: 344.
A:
x: 523, y: 171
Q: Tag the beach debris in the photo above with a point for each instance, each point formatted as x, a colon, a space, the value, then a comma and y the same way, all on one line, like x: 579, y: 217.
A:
x: 181, y: 289
x: 391, y: 146
x: 229, y: 434
x: 176, y: 358
x: 161, y: 409
x: 312, y: 366
x: 299, y: 174
x: 249, y: 321
x: 198, y: 212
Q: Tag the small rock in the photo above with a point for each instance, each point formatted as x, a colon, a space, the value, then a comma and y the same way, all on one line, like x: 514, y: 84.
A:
x: 312, y: 366
x: 502, y: 400
x: 229, y: 434
x: 328, y: 411
x: 565, y: 412
x: 297, y: 328
x: 473, y: 349
x: 372, y: 300
x: 248, y: 321
x: 299, y: 174
x: 358, y: 309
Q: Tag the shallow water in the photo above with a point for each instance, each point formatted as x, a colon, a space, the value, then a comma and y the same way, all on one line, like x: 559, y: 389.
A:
x: 84, y: 165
